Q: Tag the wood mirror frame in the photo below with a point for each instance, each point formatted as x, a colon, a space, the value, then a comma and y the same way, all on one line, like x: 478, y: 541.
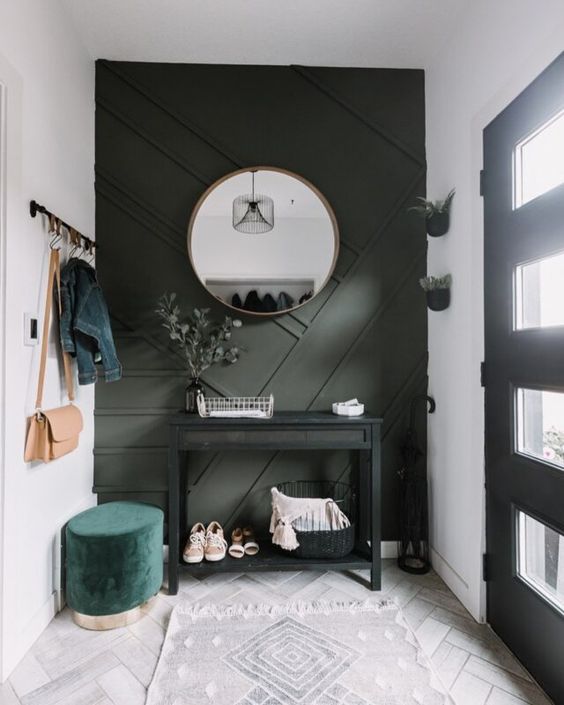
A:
x: 293, y: 175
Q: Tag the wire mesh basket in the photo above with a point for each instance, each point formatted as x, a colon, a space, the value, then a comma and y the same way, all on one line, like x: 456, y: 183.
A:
x: 315, y: 541
x: 236, y: 407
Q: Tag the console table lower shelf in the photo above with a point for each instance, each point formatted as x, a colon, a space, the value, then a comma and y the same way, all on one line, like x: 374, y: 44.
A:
x: 270, y: 558
x: 312, y: 431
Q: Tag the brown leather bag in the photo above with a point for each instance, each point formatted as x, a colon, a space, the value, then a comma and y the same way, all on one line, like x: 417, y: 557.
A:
x: 54, y: 432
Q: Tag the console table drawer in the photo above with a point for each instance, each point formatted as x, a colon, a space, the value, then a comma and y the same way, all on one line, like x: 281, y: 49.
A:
x: 277, y: 438
x: 347, y: 437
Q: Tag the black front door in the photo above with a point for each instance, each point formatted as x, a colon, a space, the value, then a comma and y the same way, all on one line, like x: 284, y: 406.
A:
x: 524, y: 376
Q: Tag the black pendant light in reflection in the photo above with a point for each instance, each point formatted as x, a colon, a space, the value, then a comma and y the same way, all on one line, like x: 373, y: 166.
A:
x: 253, y: 212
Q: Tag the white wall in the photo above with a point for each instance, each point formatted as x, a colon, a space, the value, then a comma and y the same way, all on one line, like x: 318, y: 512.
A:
x: 49, y: 83
x: 297, y: 248
x: 497, y: 50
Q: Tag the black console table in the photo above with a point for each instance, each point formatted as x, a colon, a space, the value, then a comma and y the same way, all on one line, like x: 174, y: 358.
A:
x: 286, y: 430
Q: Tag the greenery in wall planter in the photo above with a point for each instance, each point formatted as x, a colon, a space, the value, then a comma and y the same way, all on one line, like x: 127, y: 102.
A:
x: 437, y: 290
x: 436, y: 214
x: 201, y: 340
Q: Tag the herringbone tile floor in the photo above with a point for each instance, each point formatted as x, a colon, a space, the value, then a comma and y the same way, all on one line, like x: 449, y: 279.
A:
x: 71, y: 666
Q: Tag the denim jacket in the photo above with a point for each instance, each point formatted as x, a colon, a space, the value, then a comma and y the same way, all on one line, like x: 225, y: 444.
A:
x: 85, y: 323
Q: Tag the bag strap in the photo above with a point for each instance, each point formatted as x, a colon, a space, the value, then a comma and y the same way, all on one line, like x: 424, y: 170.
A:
x: 54, y: 272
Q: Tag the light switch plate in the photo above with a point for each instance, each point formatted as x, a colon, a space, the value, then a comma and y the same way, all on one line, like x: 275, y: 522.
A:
x: 31, y: 329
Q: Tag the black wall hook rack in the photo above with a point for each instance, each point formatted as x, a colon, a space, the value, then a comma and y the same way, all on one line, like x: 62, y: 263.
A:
x: 35, y: 208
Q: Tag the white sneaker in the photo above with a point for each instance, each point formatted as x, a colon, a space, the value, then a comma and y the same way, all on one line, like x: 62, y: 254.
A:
x: 194, y: 548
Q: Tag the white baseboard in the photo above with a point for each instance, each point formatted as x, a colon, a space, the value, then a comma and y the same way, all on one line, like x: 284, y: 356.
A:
x: 389, y: 549
x: 58, y: 589
x: 455, y: 582
x: 447, y: 573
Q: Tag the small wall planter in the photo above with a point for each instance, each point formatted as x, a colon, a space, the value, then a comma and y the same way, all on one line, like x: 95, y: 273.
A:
x: 438, y: 299
x: 438, y: 224
x: 436, y: 214
x: 437, y: 291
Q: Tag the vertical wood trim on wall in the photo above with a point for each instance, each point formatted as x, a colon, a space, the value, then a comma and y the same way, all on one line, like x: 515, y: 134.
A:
x: 164, y: 132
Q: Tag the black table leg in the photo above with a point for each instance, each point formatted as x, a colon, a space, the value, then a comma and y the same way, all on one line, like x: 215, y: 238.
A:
x: 182, y: 501
x: 173, y: 518
x: 375, y: 518
x: 363, y: 486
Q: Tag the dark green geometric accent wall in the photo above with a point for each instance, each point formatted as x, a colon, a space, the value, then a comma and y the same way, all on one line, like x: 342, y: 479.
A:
x: 164, y: 133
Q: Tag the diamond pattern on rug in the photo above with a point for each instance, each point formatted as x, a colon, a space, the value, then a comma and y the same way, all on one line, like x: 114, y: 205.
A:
x: 258, y: 696
x: 335, y: 695
x: 294, y: 653
x: 291, y: 662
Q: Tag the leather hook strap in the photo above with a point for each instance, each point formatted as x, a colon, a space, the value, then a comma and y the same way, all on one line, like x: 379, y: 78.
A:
x: 54, y: 273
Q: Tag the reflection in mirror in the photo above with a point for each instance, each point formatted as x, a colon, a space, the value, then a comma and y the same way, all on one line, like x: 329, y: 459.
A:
x: 263, y: 240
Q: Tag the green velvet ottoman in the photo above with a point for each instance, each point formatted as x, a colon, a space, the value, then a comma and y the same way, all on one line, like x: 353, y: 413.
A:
x: 114, y: 562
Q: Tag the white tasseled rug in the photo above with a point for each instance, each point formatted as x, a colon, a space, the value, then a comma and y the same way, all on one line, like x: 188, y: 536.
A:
x: 300, y: 653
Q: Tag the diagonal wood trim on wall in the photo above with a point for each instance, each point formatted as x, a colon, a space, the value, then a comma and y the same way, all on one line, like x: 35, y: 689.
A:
x: 168, y: 108
x: 384, y: 132
x: 166, y: 131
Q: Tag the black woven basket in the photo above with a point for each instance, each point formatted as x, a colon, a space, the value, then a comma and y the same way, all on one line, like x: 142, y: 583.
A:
x: 316, y: 543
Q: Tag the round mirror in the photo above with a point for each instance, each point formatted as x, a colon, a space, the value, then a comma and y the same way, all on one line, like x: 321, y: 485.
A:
x: 263, y: 240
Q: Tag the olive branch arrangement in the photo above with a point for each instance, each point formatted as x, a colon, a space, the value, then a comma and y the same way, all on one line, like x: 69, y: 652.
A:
x: 201, y: 339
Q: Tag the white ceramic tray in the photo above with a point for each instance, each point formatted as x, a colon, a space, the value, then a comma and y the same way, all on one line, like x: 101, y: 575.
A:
x: 348, y: 408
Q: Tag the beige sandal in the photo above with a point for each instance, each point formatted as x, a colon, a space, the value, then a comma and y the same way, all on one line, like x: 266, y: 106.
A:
x: 236, y: 550
x: 250, y: 545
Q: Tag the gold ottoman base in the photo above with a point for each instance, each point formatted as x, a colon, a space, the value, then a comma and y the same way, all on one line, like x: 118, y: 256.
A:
x: 110, y: 621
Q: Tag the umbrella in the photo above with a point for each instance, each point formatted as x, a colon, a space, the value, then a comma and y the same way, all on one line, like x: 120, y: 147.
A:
x: 413, y: 548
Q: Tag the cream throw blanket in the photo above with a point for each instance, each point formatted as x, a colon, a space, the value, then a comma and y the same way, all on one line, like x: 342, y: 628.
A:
x: 291, y: 514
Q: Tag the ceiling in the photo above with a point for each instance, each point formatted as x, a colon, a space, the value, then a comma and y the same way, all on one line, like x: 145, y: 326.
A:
x: 292, y: 197
x: 369, y: 33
